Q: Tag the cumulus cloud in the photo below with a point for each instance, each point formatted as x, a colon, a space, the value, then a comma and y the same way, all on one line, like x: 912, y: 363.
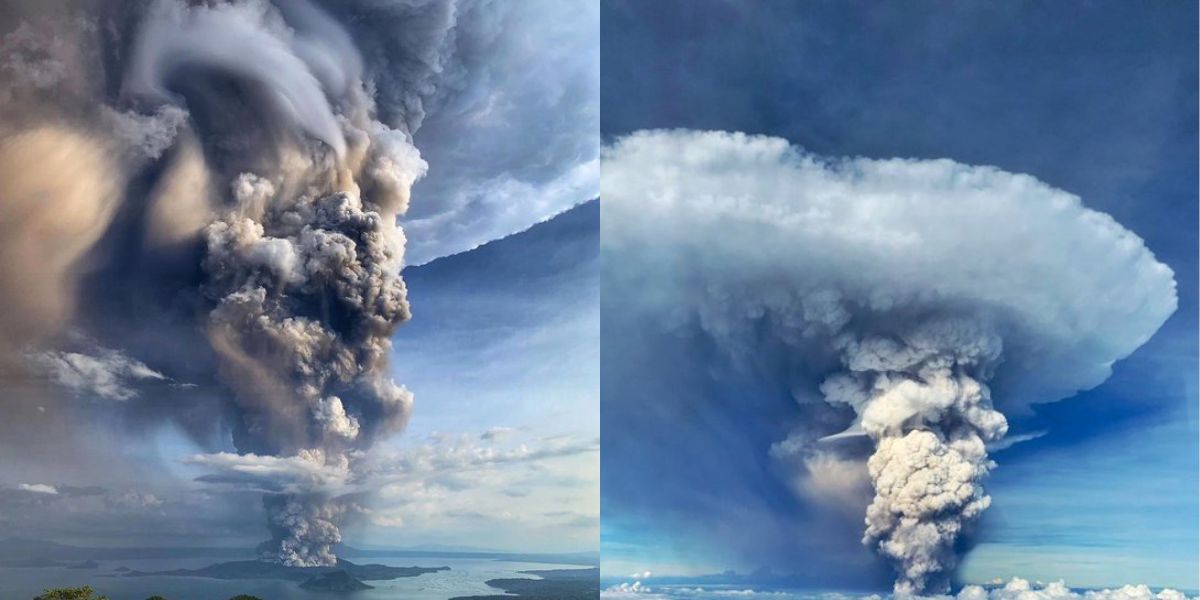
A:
x: 1020, y: 589
x: 923, y: 297
x: 626, y: 588
x: 453, y: 484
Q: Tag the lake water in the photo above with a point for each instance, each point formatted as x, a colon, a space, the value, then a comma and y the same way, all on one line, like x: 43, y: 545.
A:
x: 465, y: 578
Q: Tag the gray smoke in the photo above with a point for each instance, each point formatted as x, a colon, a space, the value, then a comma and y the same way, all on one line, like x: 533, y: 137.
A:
x: 230, y: 219
x: 919, y: 299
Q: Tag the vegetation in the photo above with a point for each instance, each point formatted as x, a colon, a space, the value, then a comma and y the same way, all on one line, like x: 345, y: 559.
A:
x: 76, y: 593
x: 87, y: 593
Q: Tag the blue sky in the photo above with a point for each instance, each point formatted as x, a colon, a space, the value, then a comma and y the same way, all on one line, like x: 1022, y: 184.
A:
x: 1096, y: 98
x: 502, y: 355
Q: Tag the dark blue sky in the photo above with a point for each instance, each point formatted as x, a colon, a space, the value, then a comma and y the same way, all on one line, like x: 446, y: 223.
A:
x: 1096, y: 98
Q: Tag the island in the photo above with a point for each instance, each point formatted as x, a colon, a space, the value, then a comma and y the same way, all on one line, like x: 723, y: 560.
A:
x: 554, y: 584
x: 334, y: 581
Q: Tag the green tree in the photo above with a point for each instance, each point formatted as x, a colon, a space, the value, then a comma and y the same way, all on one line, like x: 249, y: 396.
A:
x: 245, y: 597
x: 76, y: 593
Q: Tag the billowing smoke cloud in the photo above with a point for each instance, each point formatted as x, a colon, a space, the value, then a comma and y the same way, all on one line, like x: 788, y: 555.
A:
x: 920, y: 299
x: 175, y: 41
x: 210, y: 193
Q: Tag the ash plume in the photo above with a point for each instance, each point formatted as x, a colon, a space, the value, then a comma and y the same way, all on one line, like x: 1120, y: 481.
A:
x: 917, y: 300
x: 301, y: 262
x: 237, y: 170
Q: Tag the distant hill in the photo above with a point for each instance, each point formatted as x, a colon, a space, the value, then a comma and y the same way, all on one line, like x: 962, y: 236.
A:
x: 29, y: 552
x: 420, y: 548
x: 37, y: 562
x: 23, y: 549
x: 561, y: 243
x: 258, y: 569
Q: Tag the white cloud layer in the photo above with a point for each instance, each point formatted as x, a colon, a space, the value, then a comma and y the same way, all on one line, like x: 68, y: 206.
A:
x: 1020, y: 589
x: 1014, y: 589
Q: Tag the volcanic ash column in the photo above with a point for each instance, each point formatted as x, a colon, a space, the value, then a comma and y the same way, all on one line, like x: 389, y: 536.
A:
x: 302, y: 251
x: 920, y: 396
x: 927, y: 296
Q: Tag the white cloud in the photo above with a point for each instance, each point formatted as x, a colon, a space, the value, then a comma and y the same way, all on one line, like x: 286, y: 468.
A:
x: 1020, y: 589
x: 455, y: 485
x: 107, y: 373
x: 39, y: 488
x: 451, y: 453
x: 626, y: 588
x: 307, y: 471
